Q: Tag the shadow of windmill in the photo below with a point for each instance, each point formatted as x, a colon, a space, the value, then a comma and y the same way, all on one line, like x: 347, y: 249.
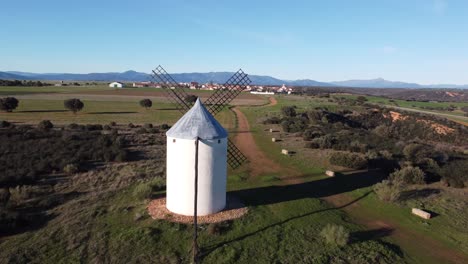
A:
x: 313, y: 189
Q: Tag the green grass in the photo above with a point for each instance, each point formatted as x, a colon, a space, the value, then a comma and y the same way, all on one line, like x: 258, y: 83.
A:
x: 440, y: 228
x: 449, y: 227
x: 99, y: 112
x: 18, y: 90
x: 414, y: 104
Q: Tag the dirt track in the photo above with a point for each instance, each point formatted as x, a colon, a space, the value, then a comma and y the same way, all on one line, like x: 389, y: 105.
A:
x: 410, y: 241
x: 259, y: 162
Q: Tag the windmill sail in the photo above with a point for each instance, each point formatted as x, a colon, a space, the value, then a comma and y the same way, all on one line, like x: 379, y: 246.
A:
x: 215, y: 103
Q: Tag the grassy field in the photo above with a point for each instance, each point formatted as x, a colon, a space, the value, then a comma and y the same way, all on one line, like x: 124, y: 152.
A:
x: 415, y: 104
x: 285, y: 215
x: 17, y: 90
x: 446, y: 228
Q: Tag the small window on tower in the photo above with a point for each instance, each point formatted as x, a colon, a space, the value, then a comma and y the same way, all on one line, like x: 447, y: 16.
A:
x: 219, y: 141
x: 173, y: 140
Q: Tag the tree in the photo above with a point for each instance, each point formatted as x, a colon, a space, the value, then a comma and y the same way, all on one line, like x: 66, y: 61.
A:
x: 288, y: 111
x: 361, y: 99
x: 191, y: 98
x: 408, y: 175
x: 146, y: 103
x: 46, y: 125
x: 465, y: 109
x: 73, y: 105
x: 8, y: 104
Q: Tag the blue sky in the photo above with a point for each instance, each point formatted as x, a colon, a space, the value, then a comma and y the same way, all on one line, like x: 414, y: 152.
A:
x: 424, y: 41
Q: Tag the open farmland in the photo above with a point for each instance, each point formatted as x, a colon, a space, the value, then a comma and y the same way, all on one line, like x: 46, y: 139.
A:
x: 98, y: 213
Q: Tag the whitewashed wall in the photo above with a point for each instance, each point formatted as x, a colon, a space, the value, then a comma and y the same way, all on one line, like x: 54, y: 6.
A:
x: 212, y: 173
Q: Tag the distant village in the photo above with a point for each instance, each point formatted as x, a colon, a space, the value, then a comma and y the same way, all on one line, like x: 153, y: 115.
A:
x: 254, y: 89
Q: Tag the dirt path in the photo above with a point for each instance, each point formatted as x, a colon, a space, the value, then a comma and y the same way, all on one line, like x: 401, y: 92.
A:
x: 259, y: 163
x: 411, y: 242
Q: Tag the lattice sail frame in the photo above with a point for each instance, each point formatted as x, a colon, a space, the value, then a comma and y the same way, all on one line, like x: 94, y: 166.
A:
x: 215, y: 103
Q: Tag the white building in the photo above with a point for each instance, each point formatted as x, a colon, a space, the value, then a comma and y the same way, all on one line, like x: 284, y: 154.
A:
x: 196, y: 124
x: 116, y: 85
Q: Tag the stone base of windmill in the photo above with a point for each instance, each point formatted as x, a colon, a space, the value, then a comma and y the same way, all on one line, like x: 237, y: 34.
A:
x: 234, y: 209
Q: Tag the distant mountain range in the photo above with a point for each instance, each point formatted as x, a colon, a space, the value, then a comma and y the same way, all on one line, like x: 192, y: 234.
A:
x: 216, y: 77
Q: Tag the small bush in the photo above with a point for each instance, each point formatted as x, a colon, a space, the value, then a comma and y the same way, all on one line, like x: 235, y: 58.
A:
x: 142, y: 191
x: 4, y: 124
x: 141, y: 130
x: 335, y: 235
x: 164, y: 126
x: 191, y: 98
x: 288, y: 111
x: 158, y: 184
x: 148, y: 125
x: 70, y: 169
x: 272, y: 120
x: 131, y: 125
x: 112, y: 123
x: 94, y: 127
x: 73, y: 126
x: 455, y: 173
x: 45, y: 124
x: 388, y: 191
x: 310, y: 134
x: 349, y: 160
x: 408, y: 175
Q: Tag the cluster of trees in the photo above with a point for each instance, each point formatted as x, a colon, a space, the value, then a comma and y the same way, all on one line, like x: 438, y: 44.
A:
x: 369, y: 137
x: 23, y: 83
x: 27, y: 153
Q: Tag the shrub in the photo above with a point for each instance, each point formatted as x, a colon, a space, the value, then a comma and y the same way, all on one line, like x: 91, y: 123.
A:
x: 8, y: 104
x: 131, y: 125
x: 93, y: 127
x: 141, y: 130
x: 388, y: 191
x: 408, y: 175
x: 73, y: 126
x: 455, y: 173
x: 335, y: 235
x: 74, y: 105
x: 112, y: 123
x: 142, y: 191
x: 349, y: 160
x: 293, y: 125
x: 416, y: 152
x: 164, y: 126
x: 310, y: 134
x: 4, y: 124
x: 158, y: 183
x: 148, y: 125
x: 191, y: 98
x: 272, y: 120
x: 70, y: 169
x: 146, y: 103
x: 288, y: 111
x: 45, y: 124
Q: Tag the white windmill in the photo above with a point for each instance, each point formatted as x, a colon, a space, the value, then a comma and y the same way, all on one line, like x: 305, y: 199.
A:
x: 196, y: 144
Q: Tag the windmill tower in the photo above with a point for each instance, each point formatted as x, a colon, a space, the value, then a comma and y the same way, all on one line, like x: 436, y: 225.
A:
x: 197, y: 140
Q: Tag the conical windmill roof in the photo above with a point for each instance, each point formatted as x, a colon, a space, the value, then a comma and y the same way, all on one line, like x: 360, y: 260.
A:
x: 197, y: 122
